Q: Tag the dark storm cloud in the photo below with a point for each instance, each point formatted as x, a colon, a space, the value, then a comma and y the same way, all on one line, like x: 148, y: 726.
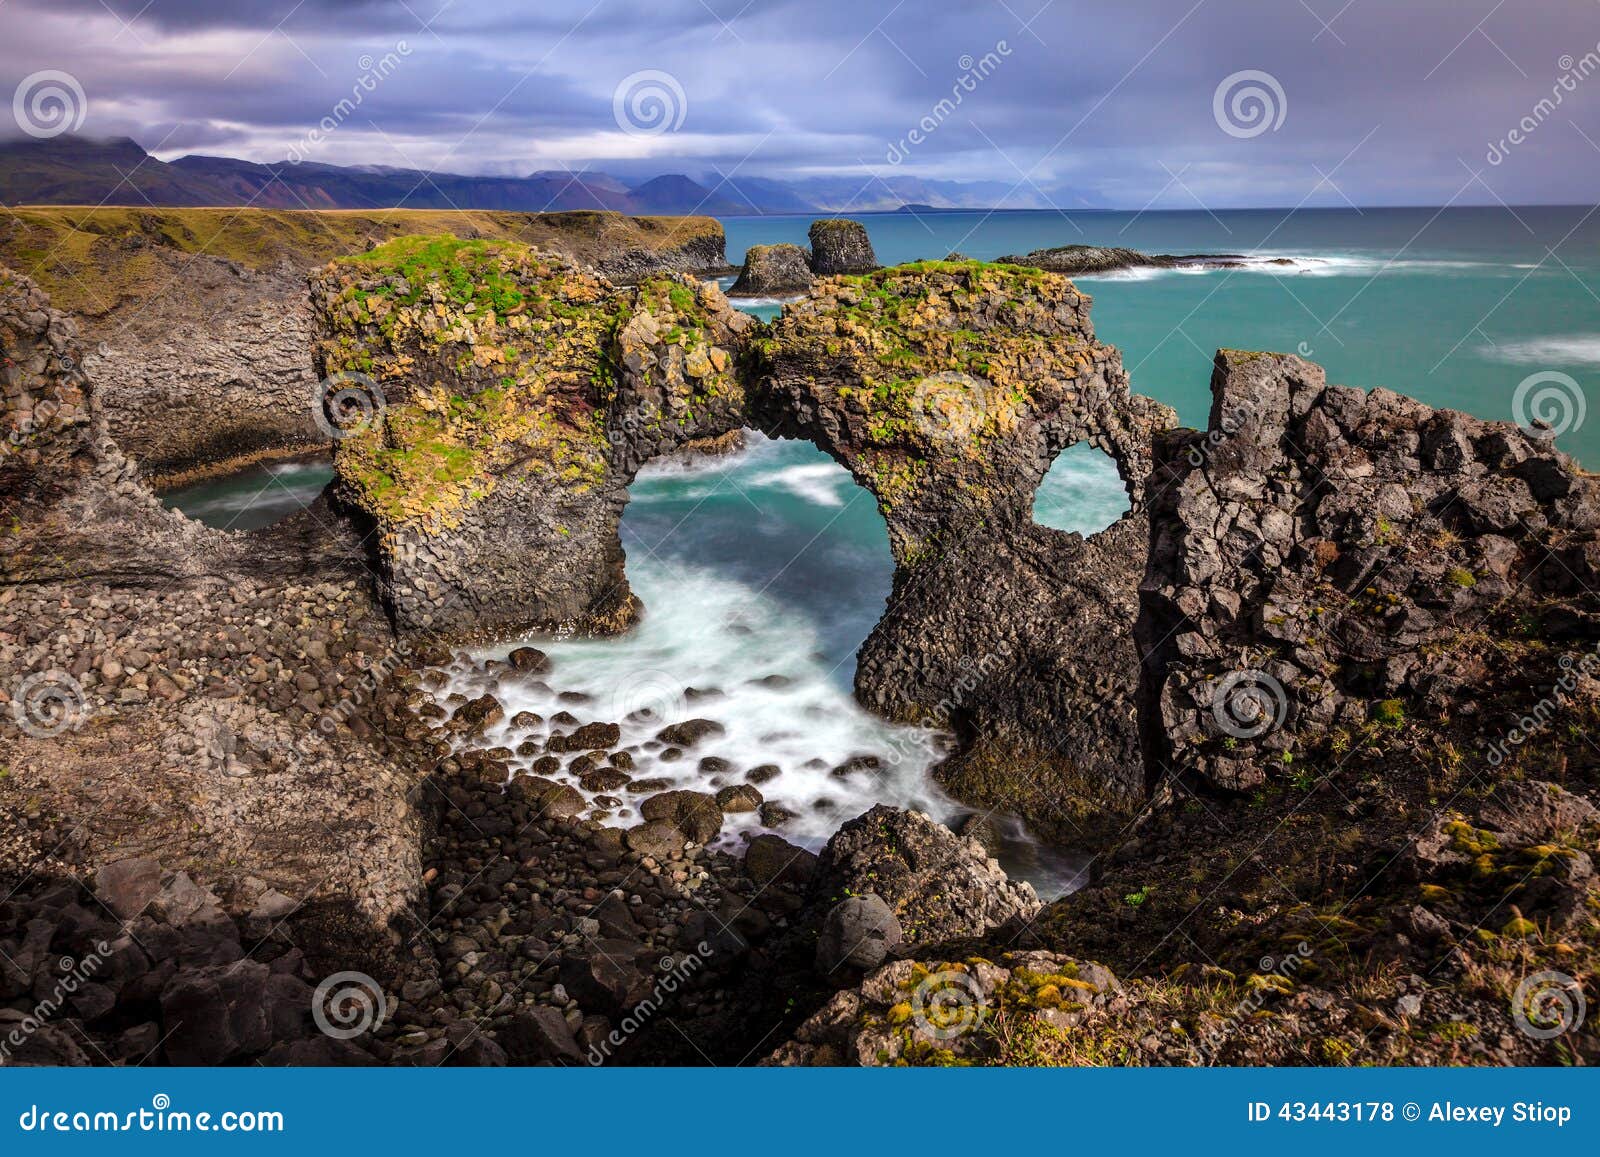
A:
x: 1382, y: 102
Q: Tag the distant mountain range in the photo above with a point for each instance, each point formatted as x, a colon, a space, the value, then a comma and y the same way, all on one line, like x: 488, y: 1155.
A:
x: 71, y: 170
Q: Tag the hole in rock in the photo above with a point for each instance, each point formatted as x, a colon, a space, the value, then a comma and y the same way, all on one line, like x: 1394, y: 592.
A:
x: 254, y: 497
x: 1081, y: 491
x: 761, y: 573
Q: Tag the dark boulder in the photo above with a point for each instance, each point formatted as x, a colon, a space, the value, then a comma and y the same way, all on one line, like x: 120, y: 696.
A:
x: 770, y: 269
x: 940, y: 886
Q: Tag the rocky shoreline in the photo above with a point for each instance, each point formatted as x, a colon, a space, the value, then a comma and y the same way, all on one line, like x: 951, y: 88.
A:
x: 1277, y: 701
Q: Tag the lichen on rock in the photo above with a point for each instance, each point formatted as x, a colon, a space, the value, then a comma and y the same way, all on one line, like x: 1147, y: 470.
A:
x: 513, y: 395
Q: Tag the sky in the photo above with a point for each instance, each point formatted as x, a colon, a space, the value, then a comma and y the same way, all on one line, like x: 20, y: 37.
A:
x: 1139, y: 103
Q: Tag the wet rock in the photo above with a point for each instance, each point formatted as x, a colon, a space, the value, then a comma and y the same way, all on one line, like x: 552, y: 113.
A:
x: 528, y: 660
x: 939, y: 885
x: 773, y: 860
x: 589, y: 737
x: 739, y: 798
x: 690, y: 732
x: 694, y: 813
x: 656, y: 838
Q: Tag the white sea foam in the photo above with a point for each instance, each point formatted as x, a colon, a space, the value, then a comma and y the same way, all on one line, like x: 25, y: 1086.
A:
x: 711, y: 648
x: 1082, y: 492
x: 1556, y: 350
x: 822, y: 483
x: 1303, y: 265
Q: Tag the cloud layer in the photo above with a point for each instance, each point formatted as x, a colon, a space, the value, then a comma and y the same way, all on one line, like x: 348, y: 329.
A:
x: 1364, y: 102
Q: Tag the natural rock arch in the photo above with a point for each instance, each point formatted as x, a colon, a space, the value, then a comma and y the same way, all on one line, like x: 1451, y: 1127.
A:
x: 521, y: 393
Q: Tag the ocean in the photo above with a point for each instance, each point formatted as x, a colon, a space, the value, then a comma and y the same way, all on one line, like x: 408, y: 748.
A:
x: 762, y: 573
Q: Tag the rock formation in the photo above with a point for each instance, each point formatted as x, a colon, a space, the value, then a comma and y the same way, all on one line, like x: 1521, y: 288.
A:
x: 178, y: 691
x: 839, y: 245
x: 502, y: 400
x: 773, y: 269
x: 514, y: 396
x: 1324, y: 557
x: 1075, y: 260
x: 196, y: 320
x: 947, y: 389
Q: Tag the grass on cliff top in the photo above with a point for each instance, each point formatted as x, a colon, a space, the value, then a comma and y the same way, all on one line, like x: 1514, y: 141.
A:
x: 93, y: 260
x: 471, y: 272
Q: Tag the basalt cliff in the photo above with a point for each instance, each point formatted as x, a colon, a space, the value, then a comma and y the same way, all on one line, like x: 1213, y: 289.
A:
x: 1316, y: 704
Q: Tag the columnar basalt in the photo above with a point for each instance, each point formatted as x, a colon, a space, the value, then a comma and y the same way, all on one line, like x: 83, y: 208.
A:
x: 1325, y: 559
x: 503, y: 400
x: 947, y: 389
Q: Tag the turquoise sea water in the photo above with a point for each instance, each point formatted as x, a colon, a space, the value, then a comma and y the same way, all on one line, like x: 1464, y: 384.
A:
x: 1455, y: 306
x: 773, y: 563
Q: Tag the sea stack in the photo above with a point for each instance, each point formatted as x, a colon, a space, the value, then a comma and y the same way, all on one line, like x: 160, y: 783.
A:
x: 770, y: 269
x: 839, y: 245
